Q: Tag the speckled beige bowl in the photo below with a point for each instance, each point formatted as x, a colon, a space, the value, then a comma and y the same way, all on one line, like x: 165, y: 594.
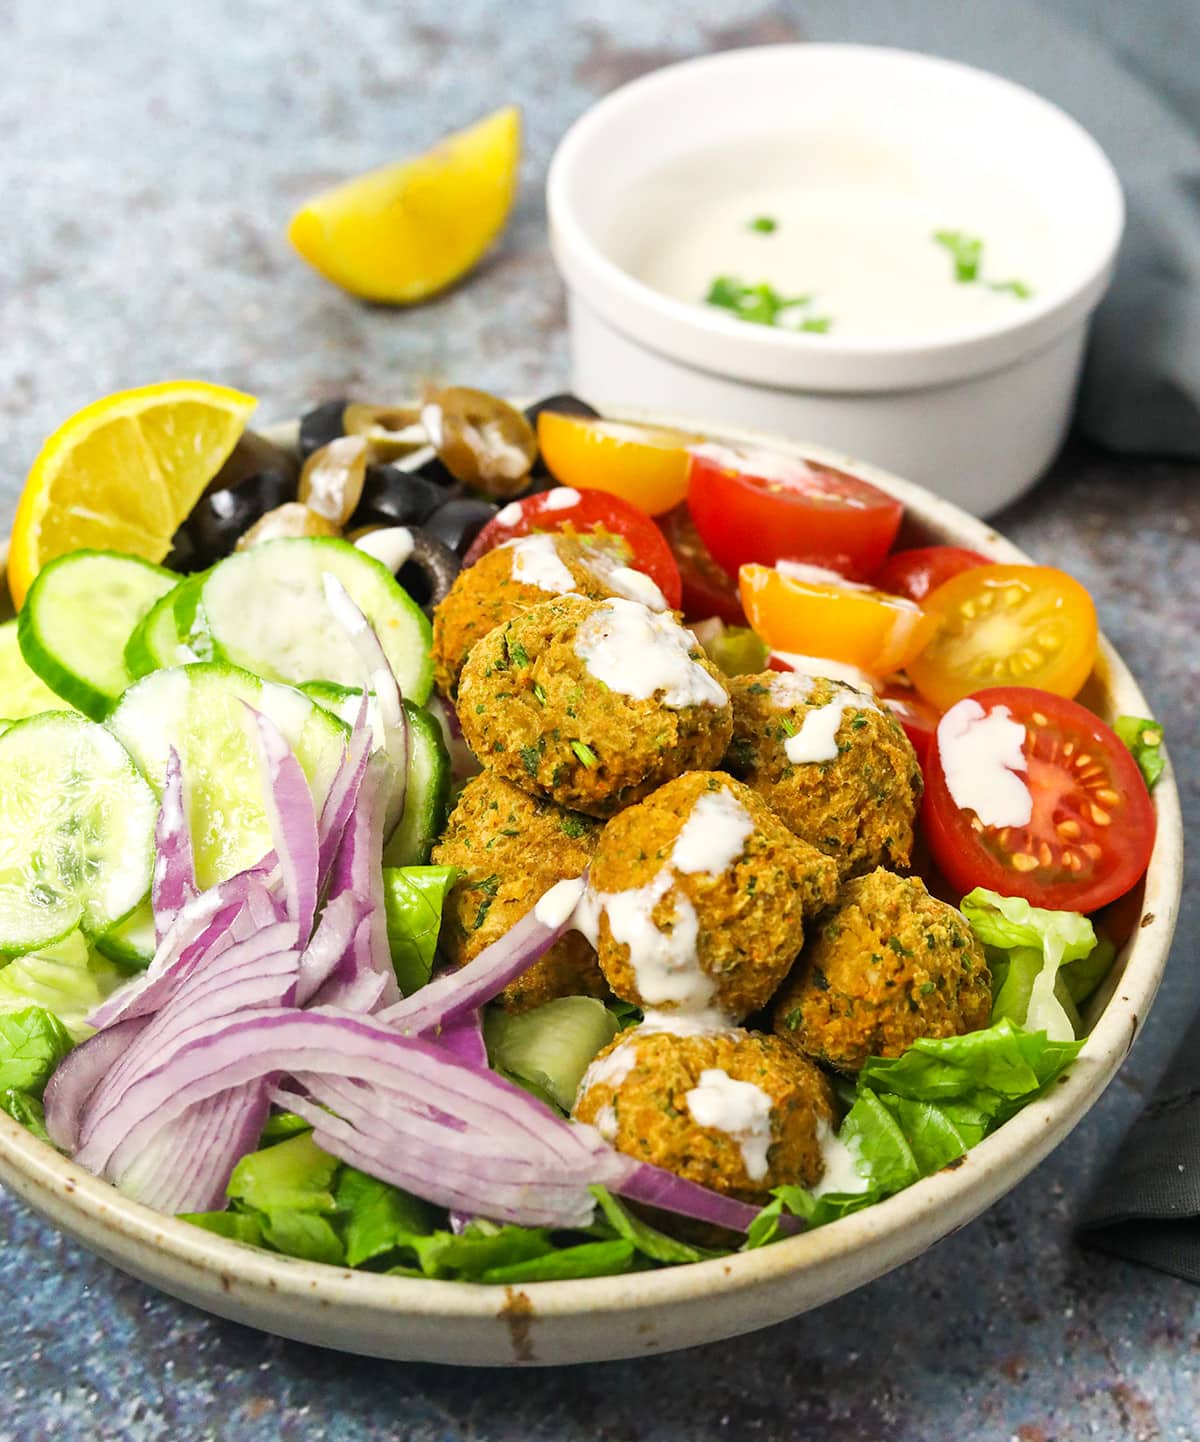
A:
x: 558, y: 1322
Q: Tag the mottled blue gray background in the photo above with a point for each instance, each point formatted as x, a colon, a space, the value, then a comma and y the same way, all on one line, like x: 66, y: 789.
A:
x: 149, y: 159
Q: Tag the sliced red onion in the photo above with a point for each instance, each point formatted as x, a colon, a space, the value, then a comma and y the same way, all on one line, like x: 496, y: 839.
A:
x: 78, y: 1075
x: 463, y: 1038
x: 342, y: 796
x: 293, y: 822
x: 174, y: 873
x: 466, y: 990
x: 358, y: 867
x: 381, y: 680
x: 656, y: 1187
x: 330, y: 944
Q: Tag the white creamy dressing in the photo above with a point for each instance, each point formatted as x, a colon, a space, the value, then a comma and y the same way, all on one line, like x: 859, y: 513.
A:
x: 816, y: 739
x: 709, y: 1022
x: 639, y: 653
x: 854, y: 224
x: 816, y: 575
x: 983, y: 761
x: 841, y: 1172
x: 561, y: 498
x: 557, y: 905
x: 610, y: 1070
x: 487, y: 440
x: 713, y: 836
x: 510, y: 514
x: 623, y: 581
x: 665, y: 963
x: 392, y: 545
x: 536, y: 562
x: 834, y: 670
x: 606, y: 1123
x: 739, y: 1109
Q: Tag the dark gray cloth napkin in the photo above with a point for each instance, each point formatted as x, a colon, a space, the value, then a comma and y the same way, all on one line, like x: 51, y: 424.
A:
x: 1129, y: 74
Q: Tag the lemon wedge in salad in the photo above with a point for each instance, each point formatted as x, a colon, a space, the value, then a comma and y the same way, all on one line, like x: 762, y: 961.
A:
x: 123, y: 473
x: 408, y: 230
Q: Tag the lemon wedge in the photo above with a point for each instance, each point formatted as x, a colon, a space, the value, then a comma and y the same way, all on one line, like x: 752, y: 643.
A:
x: 123, y: 473
x: 408, y: 230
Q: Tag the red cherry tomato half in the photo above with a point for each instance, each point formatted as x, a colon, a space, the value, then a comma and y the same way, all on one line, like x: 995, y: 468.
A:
x: 918, y: 717
x: 588, y: 511
x: 707, y: 589
x: 1091, y: 831
x: 917, y: 572
x: 763, y: 506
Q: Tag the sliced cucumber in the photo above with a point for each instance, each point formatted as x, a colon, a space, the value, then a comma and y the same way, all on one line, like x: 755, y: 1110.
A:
x: 157, y: 640
x: 200, y: 710
x: 76, y: 831
x: 265, y: 610
x: 428, y: 772
x: 22, y: 691
x: 131, y: 943
x: 77, y: 618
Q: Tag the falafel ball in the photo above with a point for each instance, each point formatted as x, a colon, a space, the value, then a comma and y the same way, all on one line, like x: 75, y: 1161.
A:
x: 835, y: 767
x: 889, y: 964
x: 593, y: 704
x: 733, y: 1110
x: 700, y: 895
x: 512, y: 848
x: 522, y: 573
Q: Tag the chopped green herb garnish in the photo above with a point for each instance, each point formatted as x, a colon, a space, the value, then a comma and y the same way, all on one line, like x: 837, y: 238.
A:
x: 539, y: 693
x: 530, y: 759
x: 817, y: 324
x: 764, y: 224
x: 518, y: 653
x: 1013, y: 287
x: 585, y: 754
x: 573, y: 826
x: 965, y: 250
x: 763, y: 305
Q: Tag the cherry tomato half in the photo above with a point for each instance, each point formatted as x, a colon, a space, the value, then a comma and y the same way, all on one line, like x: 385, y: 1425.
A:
x: 1006, y: 625
x: 916, y: 572
x: 800, y: 608
x: 1091, y: 828
x: 707, y: 589
x: 646, y: 465
x: 762, y: 506
x: 582, y: 512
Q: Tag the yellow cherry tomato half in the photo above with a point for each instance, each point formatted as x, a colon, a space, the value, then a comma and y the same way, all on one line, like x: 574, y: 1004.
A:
x: 1006, y: 625
x: 818, y: 613
x: 646, y: 465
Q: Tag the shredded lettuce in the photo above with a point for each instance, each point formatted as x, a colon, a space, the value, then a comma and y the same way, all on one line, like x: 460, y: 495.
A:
x: 1026, y: 946
x: 414, y: 897
x: 1144, y: 738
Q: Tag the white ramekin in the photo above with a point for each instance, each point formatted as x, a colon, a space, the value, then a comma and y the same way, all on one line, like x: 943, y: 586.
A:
x: 977, y: 415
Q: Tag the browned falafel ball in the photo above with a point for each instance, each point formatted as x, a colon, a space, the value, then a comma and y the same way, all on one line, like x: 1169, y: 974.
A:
x: 512, y: 848
x: 522, y: 573
x: 592, y: 703
x: 734, y: 1110
x: 887, y: 965
x: 832, y: 764
x: 699, y: 896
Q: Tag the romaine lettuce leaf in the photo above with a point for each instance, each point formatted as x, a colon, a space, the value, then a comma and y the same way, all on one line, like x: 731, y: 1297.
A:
x: 1026, y: 946
x: 1144, y: 738
x: 67, y: 978
x: 414, y: 897
x: 32, y: 1043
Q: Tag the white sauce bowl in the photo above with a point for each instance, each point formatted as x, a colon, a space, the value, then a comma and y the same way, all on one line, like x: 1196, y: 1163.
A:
x: 975, y: 414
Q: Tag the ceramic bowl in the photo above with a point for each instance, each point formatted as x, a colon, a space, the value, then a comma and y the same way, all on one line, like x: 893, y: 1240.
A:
x: 977, y: 415
x: 647, y: 1312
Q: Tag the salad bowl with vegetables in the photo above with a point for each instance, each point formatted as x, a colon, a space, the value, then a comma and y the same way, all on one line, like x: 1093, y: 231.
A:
x: 495, y: 887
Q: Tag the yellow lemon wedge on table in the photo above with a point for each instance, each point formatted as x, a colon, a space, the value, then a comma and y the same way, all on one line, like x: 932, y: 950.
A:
x: 408, y: 230
x: 123, y: 473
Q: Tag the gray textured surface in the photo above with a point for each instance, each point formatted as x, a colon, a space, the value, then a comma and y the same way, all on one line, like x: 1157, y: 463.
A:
x: 150, y: 162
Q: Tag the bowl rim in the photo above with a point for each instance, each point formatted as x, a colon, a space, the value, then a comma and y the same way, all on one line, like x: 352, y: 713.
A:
x: 696, y: 335
x: 83, y: 1204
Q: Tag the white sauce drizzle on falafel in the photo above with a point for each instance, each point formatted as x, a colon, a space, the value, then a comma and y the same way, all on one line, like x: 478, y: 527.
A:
x: 713, y: 836
x: 640, y: 653
x: 739, y: 1109
x: 816, y: 739
x: 536, y: 562
x: 840, y: 1159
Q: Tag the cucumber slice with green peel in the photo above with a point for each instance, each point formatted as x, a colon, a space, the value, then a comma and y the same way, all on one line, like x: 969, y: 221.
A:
x: 77, y: 618
x: 130, y: 944
x: 200, y: 710
x: 428, y: 790
x: 157, y: 640
x: 22, y: 691
x: 265, y: 610
x: 76, y: 831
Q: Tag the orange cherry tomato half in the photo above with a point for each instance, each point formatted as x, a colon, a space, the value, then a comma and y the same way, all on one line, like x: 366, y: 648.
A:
x: 813, y: 612
x: 1091, y: 829
x: 759, y: 506
x: 916, y: 572
x: 645, y: 465
x: 1006, y: 626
